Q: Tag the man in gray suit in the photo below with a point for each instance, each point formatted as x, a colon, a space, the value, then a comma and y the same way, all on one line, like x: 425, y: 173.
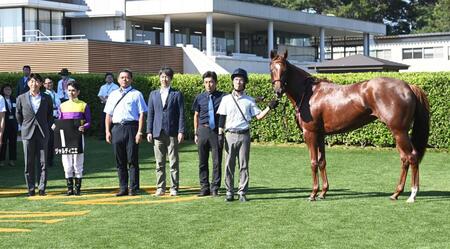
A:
x: 34, y: 111
x: 165, y: 125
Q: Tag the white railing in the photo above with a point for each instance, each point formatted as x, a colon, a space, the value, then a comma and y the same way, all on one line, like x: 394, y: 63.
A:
x: 37, y: 35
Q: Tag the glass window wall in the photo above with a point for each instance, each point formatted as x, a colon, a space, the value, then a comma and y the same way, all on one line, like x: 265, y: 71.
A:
x: 44, y: 24
x: 10, y: 25
x: 57, y: 24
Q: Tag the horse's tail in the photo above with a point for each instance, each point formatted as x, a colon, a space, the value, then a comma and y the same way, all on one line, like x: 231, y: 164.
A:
x: 421, y: 127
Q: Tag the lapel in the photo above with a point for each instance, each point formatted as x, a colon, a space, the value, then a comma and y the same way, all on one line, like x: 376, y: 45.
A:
x: 28, y: 101
x: 169, y: 98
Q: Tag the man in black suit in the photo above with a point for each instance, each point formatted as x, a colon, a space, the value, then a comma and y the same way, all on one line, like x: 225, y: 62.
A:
x: 22, y: 86
x: 165, y: 125
x: 34, y: 111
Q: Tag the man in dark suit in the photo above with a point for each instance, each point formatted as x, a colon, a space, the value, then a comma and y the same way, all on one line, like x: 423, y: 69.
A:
x: 22, y: 86
x: 34, y: 111
x: 165, y: 125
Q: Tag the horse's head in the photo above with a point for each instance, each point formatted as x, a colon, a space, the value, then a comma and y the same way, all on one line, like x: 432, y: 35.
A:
x: 278, y: 68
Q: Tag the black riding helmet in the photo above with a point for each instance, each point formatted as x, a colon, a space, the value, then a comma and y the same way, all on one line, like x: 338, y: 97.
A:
x: 240, y: 72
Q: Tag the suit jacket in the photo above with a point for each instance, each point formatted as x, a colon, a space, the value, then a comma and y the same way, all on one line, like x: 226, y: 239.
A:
x: 29, y: 120
x: 173, y: 110
x: 22, y: 86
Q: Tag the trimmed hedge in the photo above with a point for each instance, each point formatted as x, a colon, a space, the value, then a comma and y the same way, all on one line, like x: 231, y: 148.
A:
x: 279, y: 127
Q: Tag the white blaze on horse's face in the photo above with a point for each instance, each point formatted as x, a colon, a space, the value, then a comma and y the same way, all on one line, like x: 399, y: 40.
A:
x: 276, y: 75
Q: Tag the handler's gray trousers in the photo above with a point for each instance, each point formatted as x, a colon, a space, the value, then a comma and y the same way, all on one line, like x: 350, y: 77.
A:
x: 237, y: 145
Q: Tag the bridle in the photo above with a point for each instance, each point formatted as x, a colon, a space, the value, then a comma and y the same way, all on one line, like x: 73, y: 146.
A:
x: 282, y: 81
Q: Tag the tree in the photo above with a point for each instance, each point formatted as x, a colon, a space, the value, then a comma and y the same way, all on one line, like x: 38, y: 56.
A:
x: 437, y: 19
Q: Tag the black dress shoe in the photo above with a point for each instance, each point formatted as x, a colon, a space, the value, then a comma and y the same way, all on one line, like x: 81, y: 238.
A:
x: 42, y: 193
x: 204, y: 193
x: 132, y: 192
x: 229, y: 198
x: 215, y: 193
x: 31, y: 193
x: 242, y: 198
x: 122, y: 193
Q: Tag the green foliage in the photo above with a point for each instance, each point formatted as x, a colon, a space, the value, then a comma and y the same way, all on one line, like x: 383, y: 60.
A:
x: 280, y: 125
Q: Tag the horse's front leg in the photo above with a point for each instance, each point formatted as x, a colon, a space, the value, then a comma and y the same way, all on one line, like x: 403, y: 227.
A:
x: 311, y: 142
x: 322, y: 167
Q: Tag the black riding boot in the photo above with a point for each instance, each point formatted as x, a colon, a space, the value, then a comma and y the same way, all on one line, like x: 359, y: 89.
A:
x: 69, y: 186
x: 77, y: 186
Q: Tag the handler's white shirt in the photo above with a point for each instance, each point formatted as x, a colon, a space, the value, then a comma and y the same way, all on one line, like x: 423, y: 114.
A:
x: 234, y: 120
x: 2, y: 104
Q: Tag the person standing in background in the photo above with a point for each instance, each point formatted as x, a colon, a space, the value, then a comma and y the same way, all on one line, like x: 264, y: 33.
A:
x: 22, y: 86
x: 48, y: 85
x: 103, y: 93
x: 9, y: 140
x: 62, y: 85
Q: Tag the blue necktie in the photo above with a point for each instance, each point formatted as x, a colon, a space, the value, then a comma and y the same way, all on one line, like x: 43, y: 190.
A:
x: 211, y: 112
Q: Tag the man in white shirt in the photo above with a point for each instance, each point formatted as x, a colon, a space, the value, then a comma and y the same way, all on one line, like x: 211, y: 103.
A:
x: 236, y: 110
x: 2, y: 118
x: 103, y: 93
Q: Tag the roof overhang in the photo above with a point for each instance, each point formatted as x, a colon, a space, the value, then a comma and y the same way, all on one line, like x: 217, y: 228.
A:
x: 250, y: 16
x: 42, y: 4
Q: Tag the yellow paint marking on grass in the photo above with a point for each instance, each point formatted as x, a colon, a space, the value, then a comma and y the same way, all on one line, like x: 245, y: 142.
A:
x: 32, y: 221
x: 102, y: 200
x: 56, y: 197
x: 44, y: 214
x: 124, y: 202
x: 13, y: 230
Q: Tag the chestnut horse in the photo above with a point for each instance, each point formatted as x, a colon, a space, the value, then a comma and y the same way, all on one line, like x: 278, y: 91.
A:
x: 324, y: 108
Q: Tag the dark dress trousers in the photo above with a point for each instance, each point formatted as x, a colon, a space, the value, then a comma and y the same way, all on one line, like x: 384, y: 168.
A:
x: 208, y: 141
x: 10, y: 135
x: 35, y: 135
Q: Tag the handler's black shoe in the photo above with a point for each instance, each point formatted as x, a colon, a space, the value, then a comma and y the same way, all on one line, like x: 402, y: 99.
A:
x: 229, y: 198
x: 132, y: 192
x: 215, y: 193
x: 31, y: 193
x: 122, y: 193
x: 204, y: 193
x: 42, y: 193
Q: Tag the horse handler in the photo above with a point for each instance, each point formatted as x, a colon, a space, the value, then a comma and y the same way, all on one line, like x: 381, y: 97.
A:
x: 236, y: 111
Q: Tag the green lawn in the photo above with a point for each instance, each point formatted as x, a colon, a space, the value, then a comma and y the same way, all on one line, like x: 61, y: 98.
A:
x: 356, y: 214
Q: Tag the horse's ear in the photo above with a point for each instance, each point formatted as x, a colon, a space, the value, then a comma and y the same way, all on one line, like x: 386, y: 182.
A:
x: 273, y: 54
x: 285, y: 54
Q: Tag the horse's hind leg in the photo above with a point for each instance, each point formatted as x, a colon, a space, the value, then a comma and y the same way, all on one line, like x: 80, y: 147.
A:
x: 408, y: 157
x: 322, y: 167
x: 311, y: 141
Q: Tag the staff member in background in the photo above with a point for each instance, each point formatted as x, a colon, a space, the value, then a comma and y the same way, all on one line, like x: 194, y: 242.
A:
x: 34, y: 111
x: 73, y: 163
x: 48, y: 85
x: 206, y: 134
x: 125, y: 110
x: 9, y: 140
x: 22, y: 86
x: 103, y: 93
x: 62, y: 85
x: 237, y: 110
x: 2, y: 119
x: 165, y: 125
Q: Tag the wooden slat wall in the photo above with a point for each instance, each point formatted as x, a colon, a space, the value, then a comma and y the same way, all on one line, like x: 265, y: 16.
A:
x: 86, y: 56
x: 47, y: 57
x: 108, y: 56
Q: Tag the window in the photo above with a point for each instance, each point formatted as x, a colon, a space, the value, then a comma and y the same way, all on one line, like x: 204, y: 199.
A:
x: 31, y: 24
x: 44, y: 23
x: 10, y: 25
x: 381, y: 53
x: 425, y: 53
x: 57, y: 24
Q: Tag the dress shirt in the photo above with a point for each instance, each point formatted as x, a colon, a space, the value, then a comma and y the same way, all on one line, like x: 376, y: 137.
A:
x: 234, y: 120
x: 2, y: 104
x: 106, y: 89
x: 200, y: 105
x: 129, y: 108
x: 164, y: 91
x: 35, y: 102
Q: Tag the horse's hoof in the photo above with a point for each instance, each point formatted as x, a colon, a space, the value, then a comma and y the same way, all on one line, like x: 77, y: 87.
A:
x: 393, y: 198
x: 311, y: 199
x: 321, y: 198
